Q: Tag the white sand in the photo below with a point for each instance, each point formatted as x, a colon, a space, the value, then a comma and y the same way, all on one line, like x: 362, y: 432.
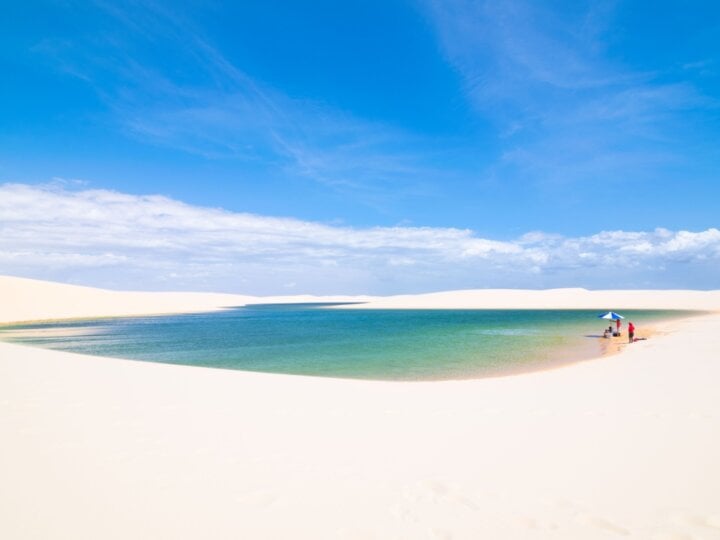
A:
x: 550, y: 299
x: 33, y: 300
x: 626, y: 445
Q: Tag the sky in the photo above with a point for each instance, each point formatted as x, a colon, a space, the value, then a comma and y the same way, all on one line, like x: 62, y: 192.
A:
x: 361, y: 147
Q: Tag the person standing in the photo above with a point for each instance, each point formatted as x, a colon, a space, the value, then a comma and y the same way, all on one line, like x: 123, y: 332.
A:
x: 617, y: 324
x: 631, y: 332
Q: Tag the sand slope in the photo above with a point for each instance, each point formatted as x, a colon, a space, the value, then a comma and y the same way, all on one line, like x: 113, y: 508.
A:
x: 551, y: 299
x: 33, y: 300
x: 624, y: 446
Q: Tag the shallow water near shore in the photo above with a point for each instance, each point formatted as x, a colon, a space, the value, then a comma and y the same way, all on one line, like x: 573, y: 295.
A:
x: 311, y: 339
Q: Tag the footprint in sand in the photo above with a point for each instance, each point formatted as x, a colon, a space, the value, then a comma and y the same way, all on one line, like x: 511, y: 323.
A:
x: 404, y: 514
x: 671, y: 536
x: 601, y: 523
x: 686, y: 518
x: 701, y: 525
x: 442, y: 492
x: 529, y: 523
x: 441, y: 534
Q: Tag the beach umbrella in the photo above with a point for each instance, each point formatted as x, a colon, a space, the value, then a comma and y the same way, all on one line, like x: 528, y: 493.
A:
x: 610, y: 316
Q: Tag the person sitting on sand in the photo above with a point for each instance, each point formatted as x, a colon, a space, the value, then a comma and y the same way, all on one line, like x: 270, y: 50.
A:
x: 631, y: 332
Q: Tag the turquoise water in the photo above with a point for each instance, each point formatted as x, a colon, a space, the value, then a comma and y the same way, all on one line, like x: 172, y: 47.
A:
x: 312, y: 339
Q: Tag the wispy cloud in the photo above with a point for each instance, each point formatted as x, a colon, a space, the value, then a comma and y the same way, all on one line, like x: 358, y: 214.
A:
x: 559, y: 101
x: 196, y: 100
x: 113, y: 239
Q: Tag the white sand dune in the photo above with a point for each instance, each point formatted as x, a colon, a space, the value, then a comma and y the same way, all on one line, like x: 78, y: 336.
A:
x: 550, y: 299
x: 33, y: 300
x: 623, y: 446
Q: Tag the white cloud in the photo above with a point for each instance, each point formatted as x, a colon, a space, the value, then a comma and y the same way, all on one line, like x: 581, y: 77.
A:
x: 107, y: 238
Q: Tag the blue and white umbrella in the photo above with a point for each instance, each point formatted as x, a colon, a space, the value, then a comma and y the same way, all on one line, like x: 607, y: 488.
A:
x: 610, y: 316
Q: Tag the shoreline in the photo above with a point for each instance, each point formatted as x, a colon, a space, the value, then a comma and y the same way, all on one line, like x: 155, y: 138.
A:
x: 596, y: 350
x: 625, y: 445
x: 628, y: 444
x: 29, y: 300
x: 576, y: 349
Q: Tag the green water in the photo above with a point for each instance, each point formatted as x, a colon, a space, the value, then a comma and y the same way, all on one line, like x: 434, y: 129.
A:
x: 367, y: 344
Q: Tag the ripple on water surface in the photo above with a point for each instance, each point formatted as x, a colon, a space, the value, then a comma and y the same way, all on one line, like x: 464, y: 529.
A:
x: 368, y: 344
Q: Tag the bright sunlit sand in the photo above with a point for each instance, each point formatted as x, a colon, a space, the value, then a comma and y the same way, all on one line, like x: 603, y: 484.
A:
x: 624, y: 445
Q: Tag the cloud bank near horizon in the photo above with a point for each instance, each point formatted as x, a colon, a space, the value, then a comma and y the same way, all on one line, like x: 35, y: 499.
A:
x: 150, y: 242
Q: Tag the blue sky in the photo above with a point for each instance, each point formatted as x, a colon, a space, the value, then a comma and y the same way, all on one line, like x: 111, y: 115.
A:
x: 518, y: 143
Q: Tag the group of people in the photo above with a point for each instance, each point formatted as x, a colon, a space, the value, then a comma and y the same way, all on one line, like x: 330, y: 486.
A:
x: 631, y: 331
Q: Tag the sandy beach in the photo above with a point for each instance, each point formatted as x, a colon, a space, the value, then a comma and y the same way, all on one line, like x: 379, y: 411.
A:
x: 624, y: 445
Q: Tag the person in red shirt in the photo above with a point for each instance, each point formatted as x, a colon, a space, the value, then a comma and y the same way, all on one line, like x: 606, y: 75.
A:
x: 631, y: 332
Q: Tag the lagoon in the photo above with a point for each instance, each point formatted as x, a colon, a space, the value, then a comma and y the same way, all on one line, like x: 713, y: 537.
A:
x: 322, y: 340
